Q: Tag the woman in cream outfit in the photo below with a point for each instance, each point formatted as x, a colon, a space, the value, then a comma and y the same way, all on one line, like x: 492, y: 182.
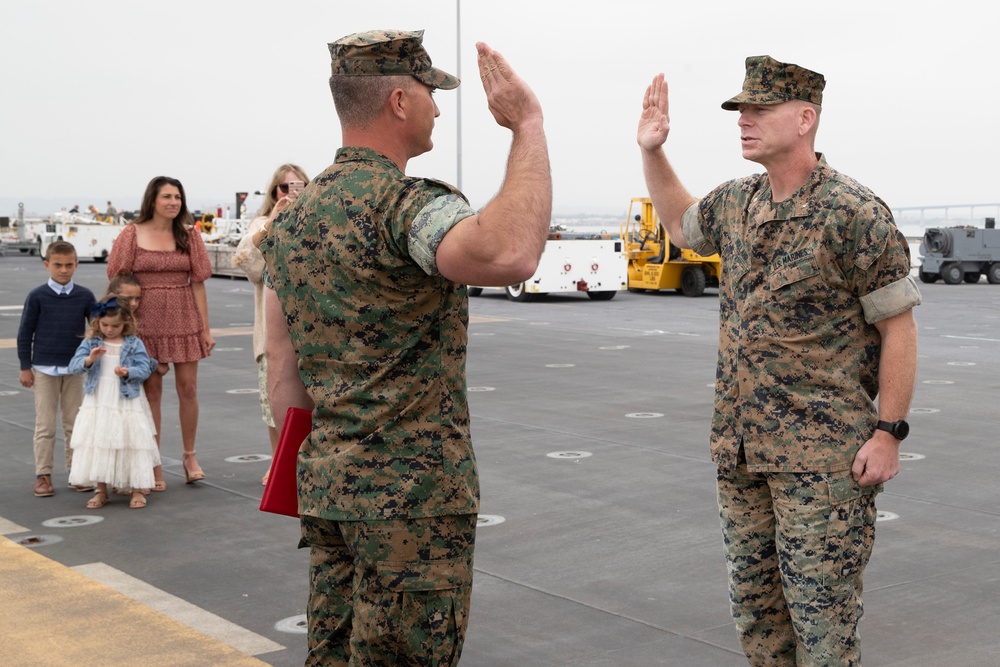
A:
x: 286, y: 183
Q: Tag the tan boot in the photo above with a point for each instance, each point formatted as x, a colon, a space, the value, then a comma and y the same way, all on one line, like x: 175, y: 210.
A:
x: 43, y: 486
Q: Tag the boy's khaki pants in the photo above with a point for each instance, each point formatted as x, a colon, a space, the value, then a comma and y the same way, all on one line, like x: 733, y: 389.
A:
x: 54, y: 394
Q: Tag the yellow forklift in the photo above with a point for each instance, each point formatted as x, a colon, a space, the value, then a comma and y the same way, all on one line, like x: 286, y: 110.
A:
x: 656, y: 264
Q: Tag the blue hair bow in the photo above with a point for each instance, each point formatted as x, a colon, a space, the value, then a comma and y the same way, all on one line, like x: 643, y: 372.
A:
x: 101, y: 308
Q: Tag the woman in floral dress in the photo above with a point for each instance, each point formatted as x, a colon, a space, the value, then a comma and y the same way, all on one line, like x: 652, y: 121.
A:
x: 166, y: 253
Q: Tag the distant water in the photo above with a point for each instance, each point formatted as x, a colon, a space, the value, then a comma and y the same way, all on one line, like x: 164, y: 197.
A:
x: 910, y: 223
x: 591, y: 224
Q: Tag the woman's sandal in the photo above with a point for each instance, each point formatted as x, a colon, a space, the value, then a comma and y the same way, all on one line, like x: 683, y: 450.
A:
x: 138, y: 500
x: 189, y: 476
x: 99, y: 500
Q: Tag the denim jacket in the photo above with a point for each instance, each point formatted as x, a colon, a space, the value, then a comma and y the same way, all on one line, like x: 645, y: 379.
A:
x: 133, y: 357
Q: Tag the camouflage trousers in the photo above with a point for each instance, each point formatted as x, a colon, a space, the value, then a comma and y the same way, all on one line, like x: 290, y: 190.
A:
x: 392, y: 592
x: 796, y: 548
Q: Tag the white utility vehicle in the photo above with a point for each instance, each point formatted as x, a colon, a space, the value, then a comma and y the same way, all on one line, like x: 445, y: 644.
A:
x: 92, y: 239
x: 574, y: 262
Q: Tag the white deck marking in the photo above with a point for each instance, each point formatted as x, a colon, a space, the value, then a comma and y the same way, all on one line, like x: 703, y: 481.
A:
x: 8, y: 527
x: 180, y: 610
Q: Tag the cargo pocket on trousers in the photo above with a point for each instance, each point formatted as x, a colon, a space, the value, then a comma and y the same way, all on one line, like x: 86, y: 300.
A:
x: 851, y: 529
x: 412, y: 576
x: 423, y: 603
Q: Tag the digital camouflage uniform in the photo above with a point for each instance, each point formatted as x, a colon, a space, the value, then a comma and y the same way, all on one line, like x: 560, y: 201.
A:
x: 381, y: 342
x: 387, y: 480
x: 803, y: 283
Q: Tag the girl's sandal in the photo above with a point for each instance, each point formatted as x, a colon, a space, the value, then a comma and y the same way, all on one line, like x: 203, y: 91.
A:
x: 192, y: 476
x: 98, y: 501
x: 138, y: 500
x: 160, y: 485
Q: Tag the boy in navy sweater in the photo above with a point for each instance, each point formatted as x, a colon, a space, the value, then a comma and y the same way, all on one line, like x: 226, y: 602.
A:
x: 52, y: 325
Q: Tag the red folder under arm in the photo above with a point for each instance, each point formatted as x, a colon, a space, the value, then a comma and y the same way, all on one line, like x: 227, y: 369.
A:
x: 281, y: 495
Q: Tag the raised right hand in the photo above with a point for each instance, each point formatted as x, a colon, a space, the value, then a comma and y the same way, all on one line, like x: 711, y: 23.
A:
x: 654, y: 123
x: 511, y: 100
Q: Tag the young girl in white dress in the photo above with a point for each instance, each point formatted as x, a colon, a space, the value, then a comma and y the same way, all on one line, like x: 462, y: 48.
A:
x: 113, y: 435
x: 126, y: 287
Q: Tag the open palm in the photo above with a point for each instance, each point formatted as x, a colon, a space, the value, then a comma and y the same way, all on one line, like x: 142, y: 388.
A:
x: 654, y: 123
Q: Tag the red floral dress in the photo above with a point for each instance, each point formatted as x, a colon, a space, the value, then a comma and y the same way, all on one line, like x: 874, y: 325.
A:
x: 169, y: 322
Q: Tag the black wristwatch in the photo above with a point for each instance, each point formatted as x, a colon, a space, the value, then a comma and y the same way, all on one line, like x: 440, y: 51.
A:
x: 899, y: 430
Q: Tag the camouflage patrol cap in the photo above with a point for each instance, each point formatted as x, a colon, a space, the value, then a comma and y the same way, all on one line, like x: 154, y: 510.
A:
x: 770, y: 82
x: 387, y: 53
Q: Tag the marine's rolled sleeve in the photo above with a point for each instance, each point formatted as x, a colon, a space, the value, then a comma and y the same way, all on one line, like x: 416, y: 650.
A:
x: 881, y: 266
x: 693, y: 234
x: 430, y: 226
x: 890, y: 300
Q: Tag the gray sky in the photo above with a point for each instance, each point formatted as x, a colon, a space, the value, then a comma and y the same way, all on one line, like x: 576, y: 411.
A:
x: 101, y: 96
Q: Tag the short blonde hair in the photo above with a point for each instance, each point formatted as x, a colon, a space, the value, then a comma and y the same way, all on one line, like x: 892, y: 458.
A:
x: 359, y: 99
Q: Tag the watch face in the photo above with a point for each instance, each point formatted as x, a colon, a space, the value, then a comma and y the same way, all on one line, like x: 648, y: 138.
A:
x: 901, y: 429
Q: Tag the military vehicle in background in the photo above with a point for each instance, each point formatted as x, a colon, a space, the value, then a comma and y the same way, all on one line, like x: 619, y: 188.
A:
x: 957, y: 254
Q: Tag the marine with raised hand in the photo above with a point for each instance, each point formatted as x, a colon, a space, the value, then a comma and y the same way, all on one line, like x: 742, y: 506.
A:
x: 369, y: 268
x: 816, y: 317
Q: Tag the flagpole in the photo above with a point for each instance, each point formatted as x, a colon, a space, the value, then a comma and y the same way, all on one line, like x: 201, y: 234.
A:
x: 458, y: 116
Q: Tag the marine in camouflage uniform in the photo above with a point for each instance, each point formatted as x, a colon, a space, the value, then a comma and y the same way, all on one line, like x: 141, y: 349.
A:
x: 806, y: 281
x: 387, y: 480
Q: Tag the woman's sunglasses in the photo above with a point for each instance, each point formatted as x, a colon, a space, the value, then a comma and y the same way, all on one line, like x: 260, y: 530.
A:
x: 284, y: 187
